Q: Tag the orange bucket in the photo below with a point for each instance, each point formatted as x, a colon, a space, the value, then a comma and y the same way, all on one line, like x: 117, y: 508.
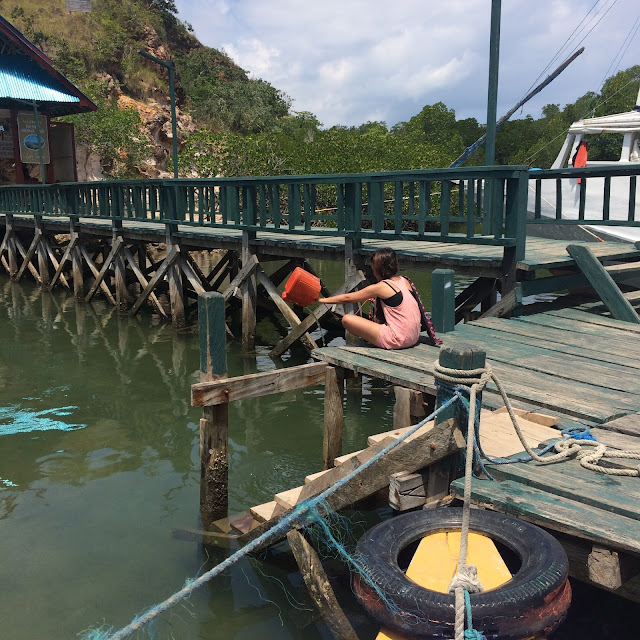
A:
x: 302, y: 288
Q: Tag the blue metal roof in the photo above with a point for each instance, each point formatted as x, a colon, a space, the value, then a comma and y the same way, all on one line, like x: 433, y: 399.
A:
x: 21, y: 79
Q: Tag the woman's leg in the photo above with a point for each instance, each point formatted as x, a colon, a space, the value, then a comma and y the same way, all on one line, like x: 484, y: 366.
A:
x: 362, y: 328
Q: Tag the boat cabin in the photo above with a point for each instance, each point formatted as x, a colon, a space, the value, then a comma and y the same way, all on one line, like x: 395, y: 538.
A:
x: 625, y: 124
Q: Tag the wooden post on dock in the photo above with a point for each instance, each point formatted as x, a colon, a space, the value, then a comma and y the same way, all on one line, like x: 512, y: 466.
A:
x: 464, y: 357
x: 333, y: 415
x: 214, y: 425
x: 443, y: 300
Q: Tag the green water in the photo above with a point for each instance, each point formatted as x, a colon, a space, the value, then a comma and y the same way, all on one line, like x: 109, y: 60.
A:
x: 99, y: 477
x: 99, y: 465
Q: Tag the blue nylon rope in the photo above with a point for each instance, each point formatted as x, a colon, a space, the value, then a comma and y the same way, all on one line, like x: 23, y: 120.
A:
x: 470, y: 633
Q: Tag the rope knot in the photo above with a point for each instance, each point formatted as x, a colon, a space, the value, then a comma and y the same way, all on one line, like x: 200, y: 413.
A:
x: 467, y: 579
x: 466, y: 377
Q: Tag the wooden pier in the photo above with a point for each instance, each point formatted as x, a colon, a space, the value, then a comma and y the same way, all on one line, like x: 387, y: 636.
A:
x: 565, y: 369
x: 574, y: 362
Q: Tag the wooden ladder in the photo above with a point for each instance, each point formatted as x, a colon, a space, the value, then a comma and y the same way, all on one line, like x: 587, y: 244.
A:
x: 604, y: 280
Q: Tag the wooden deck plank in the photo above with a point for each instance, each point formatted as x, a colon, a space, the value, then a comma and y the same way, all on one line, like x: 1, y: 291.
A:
x: 625, y: 365
x: 570, y: 367
x: 629, y: 425
x: 616, y: 494
x: 593, y: 318
x: 558, y: 335
x: 556, y: 513
x: 620, y: 336
x: 578, y: 400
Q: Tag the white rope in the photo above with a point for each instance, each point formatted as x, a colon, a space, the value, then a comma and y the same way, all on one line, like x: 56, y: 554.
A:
x: 466, y: 577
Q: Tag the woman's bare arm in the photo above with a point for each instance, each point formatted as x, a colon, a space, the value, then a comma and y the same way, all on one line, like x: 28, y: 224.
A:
x: 372, y: 291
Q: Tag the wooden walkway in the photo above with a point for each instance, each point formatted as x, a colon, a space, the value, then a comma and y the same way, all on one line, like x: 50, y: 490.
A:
x: 583, y: 368
x: 465, y: 259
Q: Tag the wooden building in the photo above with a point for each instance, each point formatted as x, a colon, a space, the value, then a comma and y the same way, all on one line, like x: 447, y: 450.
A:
x: 32, y: 92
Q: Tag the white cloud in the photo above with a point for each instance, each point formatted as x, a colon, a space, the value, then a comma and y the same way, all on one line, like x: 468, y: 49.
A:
x: 349, y: 61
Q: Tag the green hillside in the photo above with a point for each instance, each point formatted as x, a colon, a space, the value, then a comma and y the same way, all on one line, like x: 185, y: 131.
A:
x: 230, y: 124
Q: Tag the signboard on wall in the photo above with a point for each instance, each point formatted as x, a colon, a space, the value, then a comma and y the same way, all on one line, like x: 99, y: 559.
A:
x: 29, y: 140
x: 6, y: 139
x: 78, y: 5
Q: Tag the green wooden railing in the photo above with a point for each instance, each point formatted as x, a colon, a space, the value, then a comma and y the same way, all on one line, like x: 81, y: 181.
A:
x: 477, y: 205
x: 606, y: 196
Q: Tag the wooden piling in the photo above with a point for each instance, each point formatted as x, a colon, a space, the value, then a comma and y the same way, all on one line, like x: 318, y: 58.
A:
x: 249, y: 293
x: 214, y: 425
x: 120, y: 279
x: 76, y: 257
x: 440, y: 475
x: 333, y: 416
x: 174, y: 276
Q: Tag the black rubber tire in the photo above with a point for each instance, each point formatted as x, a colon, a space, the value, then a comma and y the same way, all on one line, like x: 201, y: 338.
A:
x: 534, y: 601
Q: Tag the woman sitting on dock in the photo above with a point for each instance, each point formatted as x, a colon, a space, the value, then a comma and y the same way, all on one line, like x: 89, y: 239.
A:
x: 403, y: 317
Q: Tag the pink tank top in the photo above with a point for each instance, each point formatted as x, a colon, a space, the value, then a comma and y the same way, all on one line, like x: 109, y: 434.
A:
x: 402, y: 323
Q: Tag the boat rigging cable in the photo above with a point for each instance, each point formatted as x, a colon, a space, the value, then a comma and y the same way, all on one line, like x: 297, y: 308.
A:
x: 575, y: 34
x: 462, y: 386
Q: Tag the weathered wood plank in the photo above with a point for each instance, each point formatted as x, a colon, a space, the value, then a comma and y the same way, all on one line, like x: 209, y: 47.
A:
x: 257, y: 384
x: 487, y: 335
x: 143, y: 281
x: 556, y: 513
x: 247, y: 269
x: 319, y: 588
x: 333, y: 416
x: 95, y: 272
x: 629, y: 425
x: 157, y: 277
x: 617, y: 494
x: 115, y: 248
x: 603, y: 283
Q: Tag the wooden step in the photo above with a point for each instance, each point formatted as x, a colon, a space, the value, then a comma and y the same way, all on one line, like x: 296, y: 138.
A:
x: 290, y: 498
x: 266, y: 511
x: 342, y: 459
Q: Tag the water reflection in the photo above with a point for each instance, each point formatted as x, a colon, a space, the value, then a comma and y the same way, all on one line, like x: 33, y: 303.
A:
x: 88, y: 506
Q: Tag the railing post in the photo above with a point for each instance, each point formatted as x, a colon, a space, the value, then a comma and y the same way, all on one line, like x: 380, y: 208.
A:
x: 214, y: 425
x: 515, y: 227
x: 443, y: 300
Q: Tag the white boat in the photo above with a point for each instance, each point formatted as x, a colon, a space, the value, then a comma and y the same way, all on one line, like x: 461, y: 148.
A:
x: 620, y: 189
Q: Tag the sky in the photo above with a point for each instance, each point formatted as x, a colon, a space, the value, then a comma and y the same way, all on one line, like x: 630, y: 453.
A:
x: 353, y: 61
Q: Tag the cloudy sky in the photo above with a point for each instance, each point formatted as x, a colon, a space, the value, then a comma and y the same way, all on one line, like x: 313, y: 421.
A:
x: 350, y: 61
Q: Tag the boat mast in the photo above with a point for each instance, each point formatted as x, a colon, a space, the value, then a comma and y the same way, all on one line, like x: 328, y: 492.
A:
x: 492, y: 100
